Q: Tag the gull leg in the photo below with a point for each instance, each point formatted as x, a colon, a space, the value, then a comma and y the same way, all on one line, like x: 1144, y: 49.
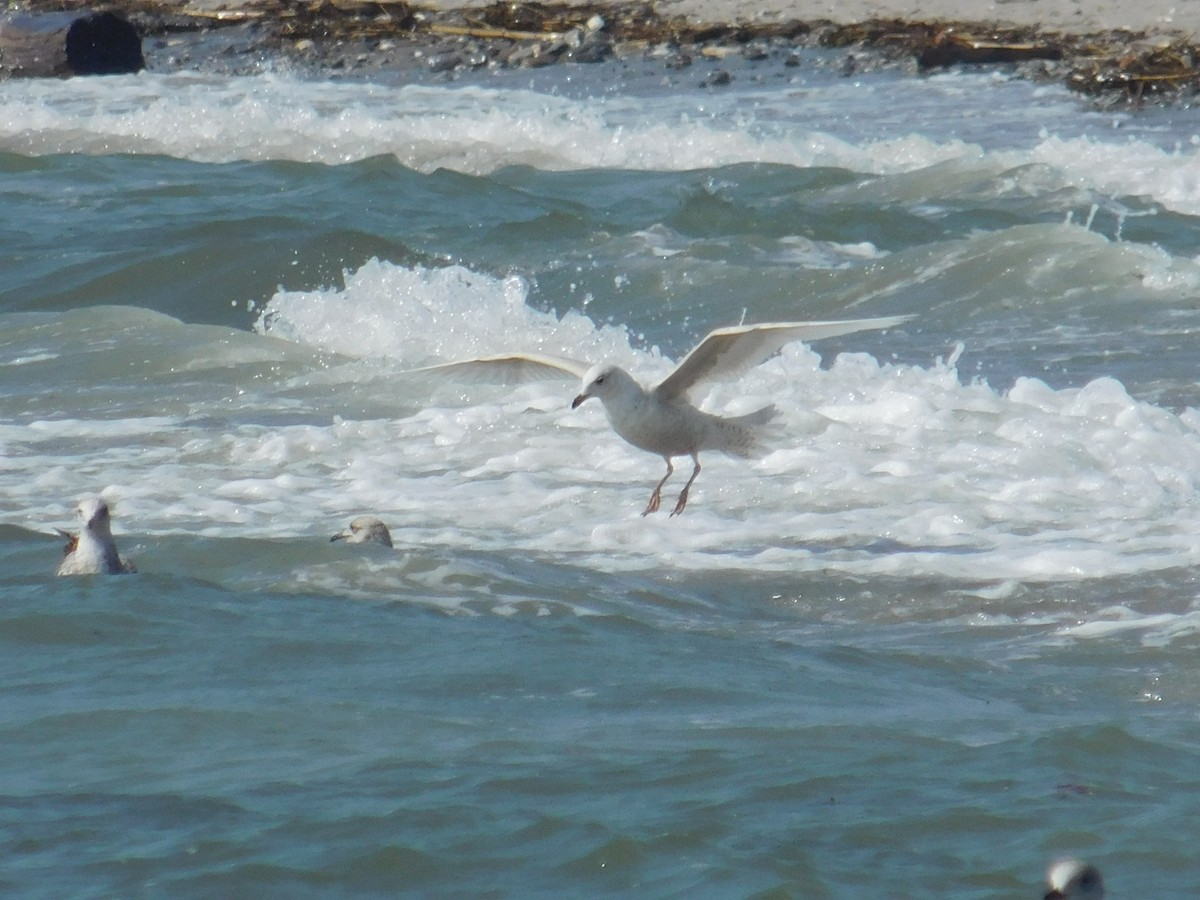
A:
x: 682, y: 502
x: 656, y: 497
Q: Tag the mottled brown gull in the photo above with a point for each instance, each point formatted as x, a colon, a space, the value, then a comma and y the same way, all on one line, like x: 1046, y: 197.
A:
x: 662, y: 420
x: 93, y: 551
x: 365, y: 530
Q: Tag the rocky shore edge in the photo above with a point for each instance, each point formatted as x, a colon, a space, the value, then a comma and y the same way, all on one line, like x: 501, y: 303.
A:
x: 1114, y: 66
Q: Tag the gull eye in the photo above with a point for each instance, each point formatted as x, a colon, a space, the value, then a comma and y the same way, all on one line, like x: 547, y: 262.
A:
x: 600, y: 379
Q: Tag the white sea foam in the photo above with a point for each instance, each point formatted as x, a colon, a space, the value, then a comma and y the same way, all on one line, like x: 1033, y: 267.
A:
x: 877, y: 469
x: 423, y: 315
x: 470, y: 129
x: 1131, y: 168
x: 911, y: 471
x: 478, y: 129
x: 1032, y: 484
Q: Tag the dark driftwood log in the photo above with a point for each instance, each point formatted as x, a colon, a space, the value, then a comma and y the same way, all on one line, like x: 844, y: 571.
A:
x: 57, y: 45
x: 952, y: 49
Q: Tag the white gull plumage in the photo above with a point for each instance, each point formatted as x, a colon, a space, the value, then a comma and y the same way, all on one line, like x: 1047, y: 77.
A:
x: 93, y: 551
x: 661, y: 419
x: 1073, y: 879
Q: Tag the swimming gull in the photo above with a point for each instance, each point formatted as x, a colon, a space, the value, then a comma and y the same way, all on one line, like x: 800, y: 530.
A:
x: 662, y: 420
x: 364, y: 530
x: 1072, y: 879
x: 92, y: 551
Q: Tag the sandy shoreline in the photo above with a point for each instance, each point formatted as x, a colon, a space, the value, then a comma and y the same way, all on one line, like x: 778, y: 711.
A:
x: 1121, y: 51
x: 1154, y: 17
x: 1169, y: 18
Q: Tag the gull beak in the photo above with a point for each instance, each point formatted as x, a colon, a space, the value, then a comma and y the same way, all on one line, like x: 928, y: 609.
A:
x: 575, y: 403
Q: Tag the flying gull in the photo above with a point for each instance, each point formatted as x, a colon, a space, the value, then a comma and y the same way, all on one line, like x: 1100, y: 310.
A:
x: 92, y: 551
x: 1071, y: 879
x: 365, y: 530
x: 662, y: 419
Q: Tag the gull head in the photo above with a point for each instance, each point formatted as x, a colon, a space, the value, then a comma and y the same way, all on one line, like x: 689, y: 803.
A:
x: 1071, y: 879
x: 93, y: 517
x: 609, y: 383
x: 365, y: 530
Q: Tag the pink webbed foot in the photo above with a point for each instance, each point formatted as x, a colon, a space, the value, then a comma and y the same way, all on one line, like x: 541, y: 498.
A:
x: 683, y: 495
x: 680, y: 503
x: 656, y: 497
x: 655, y: 502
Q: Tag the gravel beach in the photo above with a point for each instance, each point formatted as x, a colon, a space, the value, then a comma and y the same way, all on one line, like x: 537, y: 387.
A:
x: 1122, y: 52
x: 1164, y: 18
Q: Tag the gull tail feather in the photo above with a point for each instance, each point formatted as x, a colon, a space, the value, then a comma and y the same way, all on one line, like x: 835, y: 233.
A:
x: 743, y: 435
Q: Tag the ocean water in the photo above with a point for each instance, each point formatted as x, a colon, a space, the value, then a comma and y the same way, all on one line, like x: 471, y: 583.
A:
x: 945, y: 630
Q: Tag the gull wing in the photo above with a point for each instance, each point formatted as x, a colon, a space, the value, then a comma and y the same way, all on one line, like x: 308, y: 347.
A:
x: 72, y: 541
x: 729, y: 352
x: 508, y: 368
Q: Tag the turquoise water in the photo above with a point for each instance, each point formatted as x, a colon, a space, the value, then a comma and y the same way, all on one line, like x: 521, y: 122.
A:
x: 942, y: 633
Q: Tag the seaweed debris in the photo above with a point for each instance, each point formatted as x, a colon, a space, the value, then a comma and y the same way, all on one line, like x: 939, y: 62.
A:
x: 1120, y: 65
x: 1168, y: 69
